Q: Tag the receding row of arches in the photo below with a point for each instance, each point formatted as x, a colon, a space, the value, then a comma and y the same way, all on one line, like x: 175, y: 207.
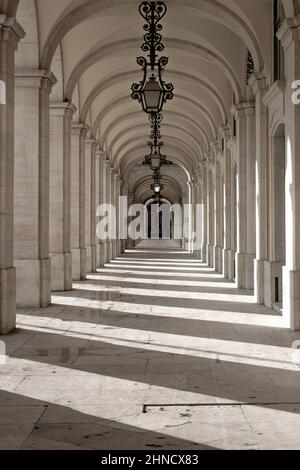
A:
x: 73, y: 138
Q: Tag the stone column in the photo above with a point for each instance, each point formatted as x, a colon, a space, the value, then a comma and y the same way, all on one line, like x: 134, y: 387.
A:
x: 108, y: 201
x: 102, y: 200
x: 123, y: 220
x: 289, y: 35
x: 131, y: 200
x: 210, y: 211
x: 245, y: 117
x: 32, y: 188
x: 259, y: 87
x: 227, y: 251
x: 90, y: 210
x: 218, y: 215
x: 78, y: 133
x: 189, y: 241
x: 94, y: 199
x: 98, y: 171
x: 10, y: 33
x: 198, y: 201
x: 195, y: 192
x: 204, y: 200
x: 113, y: 203
x: 118, y: 193
x: 105, y: 166
x: 61, y: 115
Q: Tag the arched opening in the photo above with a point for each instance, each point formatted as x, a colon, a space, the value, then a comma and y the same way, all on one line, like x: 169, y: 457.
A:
x: 160, y: 220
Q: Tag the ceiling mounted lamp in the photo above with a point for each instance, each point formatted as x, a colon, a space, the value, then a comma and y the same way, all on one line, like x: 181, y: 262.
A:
x: 156, y: 159
x: 152, y: 92
x: 157, y: 187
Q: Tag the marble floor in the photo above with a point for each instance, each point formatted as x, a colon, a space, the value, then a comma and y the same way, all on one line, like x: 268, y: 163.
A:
x: 155, y: 351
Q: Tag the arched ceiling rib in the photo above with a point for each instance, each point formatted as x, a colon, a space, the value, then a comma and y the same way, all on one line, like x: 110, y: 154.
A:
x: 175, y: 153
x: 131, y: 75
x: 129, y: 133
x: 180, y: 143
x: 171, y: 189
x: 123, y: 102
x: 127, y: 118
x: 77, y: 11
x: 99, y: 53
x: 207, y: 42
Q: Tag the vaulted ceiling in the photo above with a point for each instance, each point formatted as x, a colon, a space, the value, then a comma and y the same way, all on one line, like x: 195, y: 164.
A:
x: 92, y: 45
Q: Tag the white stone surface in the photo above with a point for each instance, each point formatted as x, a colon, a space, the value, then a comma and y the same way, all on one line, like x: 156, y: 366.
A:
x: 154, y: 351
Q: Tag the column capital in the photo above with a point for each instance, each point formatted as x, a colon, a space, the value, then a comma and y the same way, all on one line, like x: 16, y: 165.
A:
x: 226, y: 133
x: 78, y: 128
x: 258, y: 82
x: 10, y: 29
x: 289, y: 31
x: 203, y: 163
x: 243, y: 109
x: 107, y: 163
x: 60, y: 109
x: 216, y: 147
x: 199, y: 173
x: 100, y: 154
x: 210, y: 159
x: 92, y: 143
x: 35, y: 78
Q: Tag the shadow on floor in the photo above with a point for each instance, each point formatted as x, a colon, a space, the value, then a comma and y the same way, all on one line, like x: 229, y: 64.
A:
x: 219, y: 381
x: 31, y: 424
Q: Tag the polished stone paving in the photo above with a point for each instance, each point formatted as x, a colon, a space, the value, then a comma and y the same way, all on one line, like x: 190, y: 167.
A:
x: 155, y: 351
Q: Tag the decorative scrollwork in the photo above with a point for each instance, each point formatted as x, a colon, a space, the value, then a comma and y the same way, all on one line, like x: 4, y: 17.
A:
x: 152, y: 92
x: 152, y: 12
x: 155, y: 120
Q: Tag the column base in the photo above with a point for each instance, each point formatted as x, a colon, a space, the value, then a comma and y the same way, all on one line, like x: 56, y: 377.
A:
x: 7, y: 300
x: 89, y: 268
x: 76, y: 264
x: 94, y: 258
x: 61, y: 272
x: 98, y: 256
x: 291, y: 298
x: 229, y: 264
x: 218, y: 259
x: 210, y: 255
x: 119, y: 247
x: 109, y: 251
x: 33, y: 283
x: 271, y: 290
x: 245, y: 271
x: 129, y: 244
x: 83, y: 269
x: 101, y: 262
x: 204, y: 253
x: 259, y: 281
x: 113, y: 249
x: 105, y: 253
